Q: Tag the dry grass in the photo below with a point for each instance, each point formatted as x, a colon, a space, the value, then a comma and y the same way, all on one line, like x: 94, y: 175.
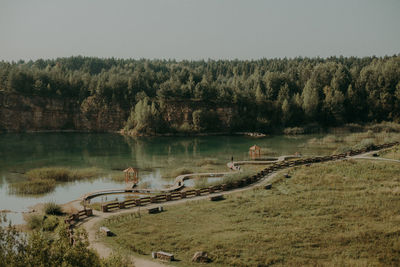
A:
x: 391, y: 153
x: 342, y: 213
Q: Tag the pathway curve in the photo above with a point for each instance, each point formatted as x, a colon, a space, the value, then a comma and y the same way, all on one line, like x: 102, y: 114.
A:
x: 90, y: 224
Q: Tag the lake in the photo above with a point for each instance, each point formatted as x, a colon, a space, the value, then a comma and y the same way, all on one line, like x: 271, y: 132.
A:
x: 156, y: 158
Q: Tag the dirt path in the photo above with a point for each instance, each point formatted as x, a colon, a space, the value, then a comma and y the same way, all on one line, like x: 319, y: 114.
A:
x: 376, y: 158
x: 91, y: 223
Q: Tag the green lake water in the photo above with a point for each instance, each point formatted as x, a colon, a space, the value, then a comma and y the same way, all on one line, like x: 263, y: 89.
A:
x: 155, y: 157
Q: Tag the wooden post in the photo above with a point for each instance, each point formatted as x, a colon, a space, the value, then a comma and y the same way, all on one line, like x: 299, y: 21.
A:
x: 89, y: 212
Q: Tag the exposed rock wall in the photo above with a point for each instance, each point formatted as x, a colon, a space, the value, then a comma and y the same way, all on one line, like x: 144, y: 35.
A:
x: 21, y: 113
x: 34, y: 113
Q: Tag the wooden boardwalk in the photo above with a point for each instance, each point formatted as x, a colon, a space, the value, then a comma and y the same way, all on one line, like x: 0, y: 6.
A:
x: 179, y: 180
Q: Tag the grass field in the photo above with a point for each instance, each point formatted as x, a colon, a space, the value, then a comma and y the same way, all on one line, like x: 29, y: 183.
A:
x: 338, y: 213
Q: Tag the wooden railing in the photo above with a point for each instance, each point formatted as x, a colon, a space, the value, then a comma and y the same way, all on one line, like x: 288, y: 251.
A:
x: 236, y: 184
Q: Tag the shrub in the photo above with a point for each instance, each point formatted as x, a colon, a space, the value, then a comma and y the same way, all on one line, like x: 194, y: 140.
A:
x: 50, y: 223
x: 34, y: 221
x: 52, y: 208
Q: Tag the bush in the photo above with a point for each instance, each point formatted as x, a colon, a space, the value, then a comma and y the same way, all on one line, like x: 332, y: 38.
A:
x: 50, y: 223
x: 52, y: 208
x: 34, y: 221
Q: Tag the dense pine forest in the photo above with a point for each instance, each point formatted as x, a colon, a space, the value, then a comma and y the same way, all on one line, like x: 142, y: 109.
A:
x: 266, y: 94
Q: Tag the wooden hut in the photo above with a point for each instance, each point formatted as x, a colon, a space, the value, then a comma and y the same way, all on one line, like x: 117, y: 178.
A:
x: 131, y: 176
x: 255, y: 151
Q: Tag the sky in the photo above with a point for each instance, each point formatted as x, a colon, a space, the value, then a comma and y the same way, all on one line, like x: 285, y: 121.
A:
x: 198, y: 29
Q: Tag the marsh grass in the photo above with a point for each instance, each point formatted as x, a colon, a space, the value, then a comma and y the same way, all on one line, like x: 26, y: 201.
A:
x: 37, y: 186
x: 44, y: 180
x: 337, y: 213
x: 62, y: 174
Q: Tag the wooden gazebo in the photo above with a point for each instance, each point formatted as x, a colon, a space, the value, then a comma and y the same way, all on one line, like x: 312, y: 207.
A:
x: 255, y: 151
x: 132, y: 176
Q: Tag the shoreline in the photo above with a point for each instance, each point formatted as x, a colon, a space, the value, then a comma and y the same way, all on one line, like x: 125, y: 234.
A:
x: 308, y: 129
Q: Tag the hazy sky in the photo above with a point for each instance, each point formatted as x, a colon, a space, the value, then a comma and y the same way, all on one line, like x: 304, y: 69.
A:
x: 198, y: 29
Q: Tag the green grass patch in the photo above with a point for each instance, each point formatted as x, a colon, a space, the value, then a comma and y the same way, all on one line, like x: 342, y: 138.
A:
x: 337, y: 213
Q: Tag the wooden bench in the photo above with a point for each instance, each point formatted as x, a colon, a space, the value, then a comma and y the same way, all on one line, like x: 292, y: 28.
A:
x: 155, y: 210
x: 268, y: 186
x: 217, y: 198
x: 164, y: 256
x: 106, y: 231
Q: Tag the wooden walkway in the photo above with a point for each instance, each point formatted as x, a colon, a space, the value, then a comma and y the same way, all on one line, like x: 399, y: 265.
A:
x: 179, y: 180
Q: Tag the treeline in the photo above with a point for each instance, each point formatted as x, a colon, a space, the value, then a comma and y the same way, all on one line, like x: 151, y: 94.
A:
x: 266, y: 93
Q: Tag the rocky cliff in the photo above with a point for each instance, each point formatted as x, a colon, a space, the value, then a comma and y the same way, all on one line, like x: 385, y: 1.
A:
x: 22, y: 113
x: 19, y: 113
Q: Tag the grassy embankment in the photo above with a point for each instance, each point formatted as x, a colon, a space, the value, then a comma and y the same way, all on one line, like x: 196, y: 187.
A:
x: 43, y: 180
x: 337, y: 213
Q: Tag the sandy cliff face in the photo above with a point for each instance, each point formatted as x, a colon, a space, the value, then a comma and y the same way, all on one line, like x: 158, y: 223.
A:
x: 21, y: 113
x: 34, y: 113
